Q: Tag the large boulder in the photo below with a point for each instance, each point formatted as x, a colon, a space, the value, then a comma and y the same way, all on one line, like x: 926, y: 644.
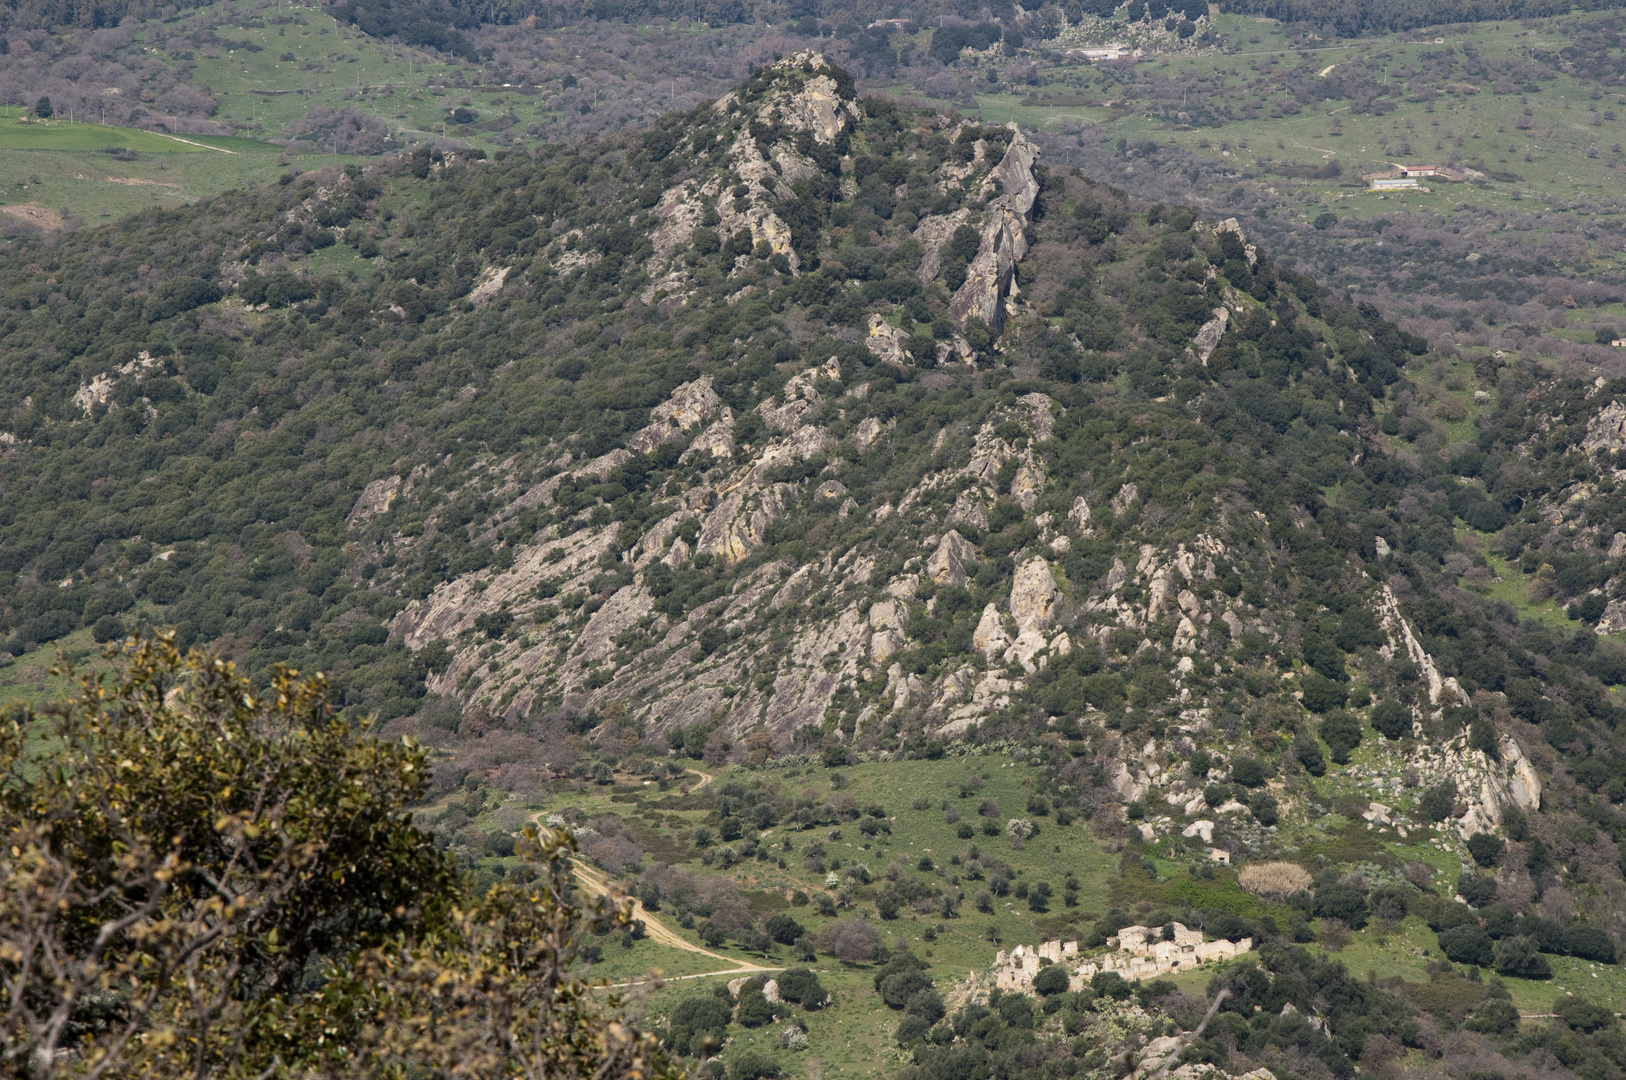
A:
x: 1034, y: 595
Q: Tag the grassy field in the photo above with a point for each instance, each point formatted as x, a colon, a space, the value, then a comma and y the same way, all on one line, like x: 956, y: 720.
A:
x: 49, y: 170
x: 854, y: 1036
x: 29, y: 680
x: 1560, y: 142
x: 55, y: 168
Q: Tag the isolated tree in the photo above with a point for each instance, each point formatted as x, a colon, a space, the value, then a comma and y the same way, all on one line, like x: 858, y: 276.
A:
x: 1392, y: 720
x: 1438, y: 800
x: 1521, y: 956
x: 1486, y: 848
x: 43, y: 109
x: 1050, y: 980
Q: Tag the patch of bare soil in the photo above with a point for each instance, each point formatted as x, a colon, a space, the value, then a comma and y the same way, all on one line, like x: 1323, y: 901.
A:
x: 35, y: 214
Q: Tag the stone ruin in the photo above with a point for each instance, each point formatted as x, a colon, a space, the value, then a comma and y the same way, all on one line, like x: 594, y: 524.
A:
x: 1140, y: 953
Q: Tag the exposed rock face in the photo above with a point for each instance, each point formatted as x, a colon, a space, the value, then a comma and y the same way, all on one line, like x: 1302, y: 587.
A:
x: 1026, y: 486
x: 1613, y: 620
x: 691, y: 404
x: 947, y: 564
x: 807, y: 99
x: 1034, y: 595
x: 1079, y: 516
x: 1485, y: 785
x: 717, y: 440
x: 740, y: 521
x: 1033, y: 601
x: 831, y: 489
x: 1607, y: 430
x: 868, y: 433
x: 989, y: 637
x: 932, y: 233
x: 886, y: 341
x: 376, y: 498
x: 968, y: 510
x: 488, y: 285
x: 992, y: 271
x: 800, y: 397
x: 1403, y: 640
x: 886, y: 622
x: 818, y: 107
x: 1208, y: 337
x: 1232, y: 225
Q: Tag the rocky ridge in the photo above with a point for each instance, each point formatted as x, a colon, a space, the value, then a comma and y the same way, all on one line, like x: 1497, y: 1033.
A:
x: 964, y: 570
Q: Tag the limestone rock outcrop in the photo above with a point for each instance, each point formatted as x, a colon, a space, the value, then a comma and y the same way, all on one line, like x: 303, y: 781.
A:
x: 376, y: 498
x: 1403, y: 641
x: 886, y: 341
x: 947, y: 564
x: 1607, y: 430
x: 991, y: 274
x: 1209, y: 335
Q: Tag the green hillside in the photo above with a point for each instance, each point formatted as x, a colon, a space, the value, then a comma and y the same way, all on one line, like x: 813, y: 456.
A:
x: 926, y: 493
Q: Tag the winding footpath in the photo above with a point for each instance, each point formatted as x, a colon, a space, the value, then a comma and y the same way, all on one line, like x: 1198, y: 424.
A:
x: 595, y: 883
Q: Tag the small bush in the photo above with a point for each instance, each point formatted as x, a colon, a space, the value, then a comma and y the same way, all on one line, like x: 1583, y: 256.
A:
x: 1485, y: 848
x: 926, y: 1004
x: 698, y: 1023
x: 1466, y: 945
x: 1438, y: 801
x: 1521, y: 957
x: 1111, y: 984
x: 1589, y: 943
x: 751, y: 1065
x: 1308, y: 751
x: 1583, y: 1015
x: 1342, y: 902
x: 784, y: 929
x: 1478, y: 889
x: 107, y: 628
x: 802, y: 986
x: 1341, y: 731
x: 1249, y: 772
x: 898, y: 989
x: 1322, y: 694
x: 1392, y: 720
x: 1494, y: 1016
x: 1050, y: 980
x: 755, y: 1009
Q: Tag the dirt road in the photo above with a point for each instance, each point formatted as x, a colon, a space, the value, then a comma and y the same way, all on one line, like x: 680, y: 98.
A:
x: 593, y: 882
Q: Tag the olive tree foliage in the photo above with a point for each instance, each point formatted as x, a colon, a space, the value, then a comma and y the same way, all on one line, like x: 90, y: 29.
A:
x: 202, y: 880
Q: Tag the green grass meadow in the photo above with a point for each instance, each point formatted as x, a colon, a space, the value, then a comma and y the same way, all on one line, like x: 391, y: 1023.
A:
x: 854, y: 1036
x: 1564, y: 148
